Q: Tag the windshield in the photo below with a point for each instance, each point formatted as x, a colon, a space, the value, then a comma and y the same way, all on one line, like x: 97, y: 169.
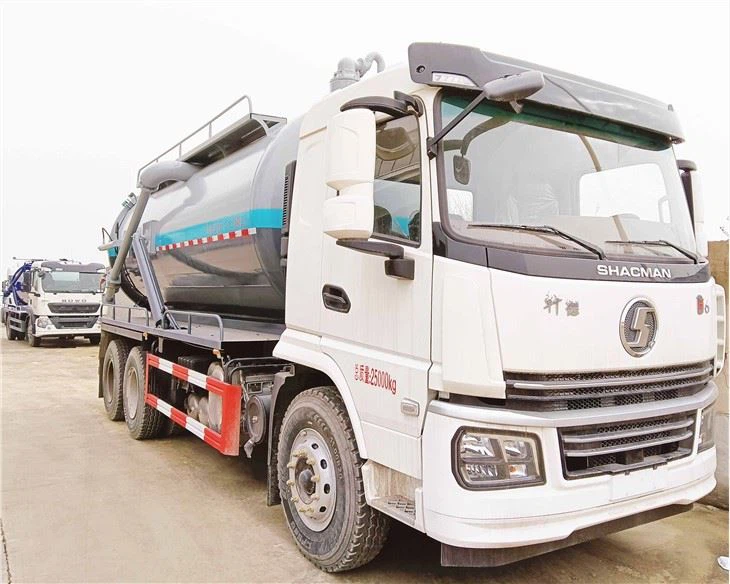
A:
x: 612, y: 186
x: 57, y: 281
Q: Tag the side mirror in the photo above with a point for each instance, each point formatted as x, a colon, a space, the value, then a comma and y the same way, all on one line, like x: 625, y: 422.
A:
x: 512, y: 88
x: 25, y: 282
x: 350, y: 151
x: 695, y: 201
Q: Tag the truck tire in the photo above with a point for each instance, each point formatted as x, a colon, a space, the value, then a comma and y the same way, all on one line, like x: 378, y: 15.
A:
x: 12, y: 335
x: 321, y: 486
x: 94, y: 339
x: 142, y: 420
x: 33, y: 341
x: 112, y: 377
x: 167, y: 428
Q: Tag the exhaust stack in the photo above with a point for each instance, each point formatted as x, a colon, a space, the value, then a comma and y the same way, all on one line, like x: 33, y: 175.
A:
x: 350, y: 71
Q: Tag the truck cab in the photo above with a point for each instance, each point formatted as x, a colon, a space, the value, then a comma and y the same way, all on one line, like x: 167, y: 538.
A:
x: 54, y: 299
x: 518, y: 306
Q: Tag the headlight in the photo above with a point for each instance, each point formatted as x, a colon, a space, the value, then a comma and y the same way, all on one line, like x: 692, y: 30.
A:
x: 707, y: 429
x: 42, y: 322
x: 488, y: 459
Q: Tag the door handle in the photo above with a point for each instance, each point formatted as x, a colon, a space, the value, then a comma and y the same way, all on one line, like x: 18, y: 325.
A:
x: 335, y: 298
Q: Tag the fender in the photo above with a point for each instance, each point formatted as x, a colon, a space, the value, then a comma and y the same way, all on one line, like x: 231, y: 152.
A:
x: 303, y: 348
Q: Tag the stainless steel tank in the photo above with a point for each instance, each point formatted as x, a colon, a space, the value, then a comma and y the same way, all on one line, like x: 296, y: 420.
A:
x: 214, y: 241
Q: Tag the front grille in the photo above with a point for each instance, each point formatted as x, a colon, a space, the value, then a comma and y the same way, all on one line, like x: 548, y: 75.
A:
x: 72, y: 308
x: 619, y: 447
x: 578, y: 391
x: 66, y: 322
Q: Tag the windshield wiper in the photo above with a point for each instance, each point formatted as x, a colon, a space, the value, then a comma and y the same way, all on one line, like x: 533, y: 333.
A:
x: 544, y: 229
x: 684, y: 252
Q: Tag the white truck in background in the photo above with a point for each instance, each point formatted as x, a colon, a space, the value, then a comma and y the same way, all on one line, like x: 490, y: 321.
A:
x: 468, y: 294
x: 60, y: 299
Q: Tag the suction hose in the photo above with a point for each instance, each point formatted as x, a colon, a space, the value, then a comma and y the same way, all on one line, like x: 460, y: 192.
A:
x: 149, y: 180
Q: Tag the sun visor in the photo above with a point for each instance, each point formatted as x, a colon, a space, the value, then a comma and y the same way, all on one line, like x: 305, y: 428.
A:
x: 446, y: 65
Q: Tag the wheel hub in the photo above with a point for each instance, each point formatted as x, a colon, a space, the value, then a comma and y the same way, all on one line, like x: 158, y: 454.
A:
x: 312, y: 479
x: 131, y: 393
x: 305, y: 482
x: 108, y: 382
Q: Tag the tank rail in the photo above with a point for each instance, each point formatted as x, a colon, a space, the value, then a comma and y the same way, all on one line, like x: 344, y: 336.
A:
x: 227, y: 440
x: 127, y: 314
x: 110, y: 309
x: 136, y: 322
x: 209, y: 125
x: 186, y: 321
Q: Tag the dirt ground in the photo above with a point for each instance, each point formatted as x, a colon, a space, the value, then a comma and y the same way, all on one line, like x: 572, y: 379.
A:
x: 81, y: 501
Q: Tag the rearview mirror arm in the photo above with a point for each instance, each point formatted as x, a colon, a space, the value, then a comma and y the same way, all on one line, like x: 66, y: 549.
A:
x: 398, y: 106
x: 510, y: 88
x: 432, y: 143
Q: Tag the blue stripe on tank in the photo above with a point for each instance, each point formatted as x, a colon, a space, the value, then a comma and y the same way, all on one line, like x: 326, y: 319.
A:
x: 255, y: 218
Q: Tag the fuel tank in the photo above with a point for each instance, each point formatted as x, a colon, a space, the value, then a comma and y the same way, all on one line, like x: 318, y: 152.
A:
x: 214, y: 241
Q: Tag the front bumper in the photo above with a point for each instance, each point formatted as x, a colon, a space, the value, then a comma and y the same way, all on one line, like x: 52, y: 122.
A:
x: 552, y: 511
x: 68, y: 332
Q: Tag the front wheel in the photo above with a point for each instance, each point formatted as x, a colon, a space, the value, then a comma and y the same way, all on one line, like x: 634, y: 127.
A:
x: 321, y: 486
x: 33, y: 340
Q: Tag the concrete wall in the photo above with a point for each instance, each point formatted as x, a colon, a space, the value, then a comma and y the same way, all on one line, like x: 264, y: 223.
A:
x: 719, y: 497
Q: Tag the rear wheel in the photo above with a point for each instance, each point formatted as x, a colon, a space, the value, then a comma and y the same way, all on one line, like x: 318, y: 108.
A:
x: 167, y: 427
x: 321, y: 486
x: 112, y: 377
x: 94, y: 340
x: 142, y: 420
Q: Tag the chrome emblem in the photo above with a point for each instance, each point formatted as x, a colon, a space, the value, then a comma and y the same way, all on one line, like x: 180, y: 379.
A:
x: 638, y: 327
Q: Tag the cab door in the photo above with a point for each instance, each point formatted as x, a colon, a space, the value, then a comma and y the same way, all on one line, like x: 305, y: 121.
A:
x: 34, y: 294
x: 378, y: 327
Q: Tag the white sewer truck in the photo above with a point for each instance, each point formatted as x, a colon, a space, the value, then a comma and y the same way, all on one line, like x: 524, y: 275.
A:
x: 59, y: 299
x: 469, y: 294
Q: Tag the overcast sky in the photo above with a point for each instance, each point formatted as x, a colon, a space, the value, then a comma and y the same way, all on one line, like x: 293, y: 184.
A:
x: 91, y: 91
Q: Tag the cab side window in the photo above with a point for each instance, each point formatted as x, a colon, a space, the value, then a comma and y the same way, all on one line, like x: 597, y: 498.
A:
x: 397, y: 185
x: 27, y: 281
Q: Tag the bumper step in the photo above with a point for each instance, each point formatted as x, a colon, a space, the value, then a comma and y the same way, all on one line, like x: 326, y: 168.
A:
x: 453, y: 556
